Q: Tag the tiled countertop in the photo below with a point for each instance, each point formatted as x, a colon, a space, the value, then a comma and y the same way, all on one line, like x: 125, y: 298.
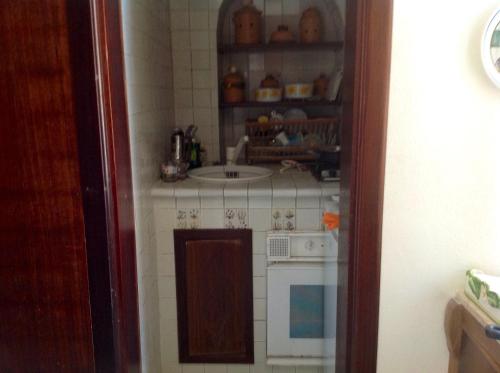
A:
x: 281, y: 188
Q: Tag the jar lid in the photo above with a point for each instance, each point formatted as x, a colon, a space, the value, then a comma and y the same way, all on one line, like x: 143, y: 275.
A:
x: 247, y: 9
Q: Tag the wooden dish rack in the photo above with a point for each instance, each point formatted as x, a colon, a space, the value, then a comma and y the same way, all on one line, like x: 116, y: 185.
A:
x: 261, y: 135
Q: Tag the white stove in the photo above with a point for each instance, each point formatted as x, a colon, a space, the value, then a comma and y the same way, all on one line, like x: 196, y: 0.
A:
x: 301, y: 298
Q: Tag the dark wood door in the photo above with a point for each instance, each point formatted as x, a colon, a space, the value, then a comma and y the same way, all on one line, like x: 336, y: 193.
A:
x: 44, y: 293
x: 214, y: 295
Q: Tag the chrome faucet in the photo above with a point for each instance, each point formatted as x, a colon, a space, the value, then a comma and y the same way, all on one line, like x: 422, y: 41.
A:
x: 232, y: 153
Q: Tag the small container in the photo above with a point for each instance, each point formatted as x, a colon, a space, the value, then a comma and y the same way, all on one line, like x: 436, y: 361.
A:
x: 311, y: 26
x: 298, y: 91
x: 268, y: 94
x: 282, y: 35
x: 269, y: 82
x: 177, y: 144
x: 168, y: 172
x: 182, y: 169
x: 233, y: 86
x: 321, y: 86
x: 195, y: 155
x: 247, y: 25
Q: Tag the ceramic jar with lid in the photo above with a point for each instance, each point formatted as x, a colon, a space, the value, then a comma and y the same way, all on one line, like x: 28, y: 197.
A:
x: 247, y: 24
x: 311, y: 26
x: 233, y: 86
x: 282, y: 35
x: 269, y: 82
x: 321, y: 86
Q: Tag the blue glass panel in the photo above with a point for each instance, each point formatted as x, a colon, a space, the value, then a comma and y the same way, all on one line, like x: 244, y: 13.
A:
x: 307, y: 311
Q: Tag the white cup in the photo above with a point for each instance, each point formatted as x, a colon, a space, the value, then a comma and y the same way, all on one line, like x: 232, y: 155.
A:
x: 230, y: 150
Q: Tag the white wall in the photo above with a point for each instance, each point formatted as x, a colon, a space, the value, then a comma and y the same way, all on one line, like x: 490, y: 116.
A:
x: 441, y: 211
x: 148, y: 65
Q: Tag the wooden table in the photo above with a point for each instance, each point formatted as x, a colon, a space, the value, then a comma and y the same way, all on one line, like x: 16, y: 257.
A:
x: 471, y: 351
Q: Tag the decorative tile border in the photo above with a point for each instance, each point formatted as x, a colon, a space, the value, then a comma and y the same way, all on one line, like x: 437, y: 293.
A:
x: 283, y: 220
x: 188, y: 219
x: 235, y: 218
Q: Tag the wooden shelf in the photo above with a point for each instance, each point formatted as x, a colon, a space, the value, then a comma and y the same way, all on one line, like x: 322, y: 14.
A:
x: 277, y: 47
x: 286, y: 103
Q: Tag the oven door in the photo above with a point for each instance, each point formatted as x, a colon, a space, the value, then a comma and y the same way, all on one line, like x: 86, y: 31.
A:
x: 298, y: 297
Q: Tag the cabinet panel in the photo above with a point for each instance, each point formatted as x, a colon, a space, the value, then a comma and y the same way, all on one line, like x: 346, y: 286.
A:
x: 214, y: 295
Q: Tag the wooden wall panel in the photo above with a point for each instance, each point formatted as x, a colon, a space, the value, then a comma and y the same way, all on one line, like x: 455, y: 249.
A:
x: 214, y: 295
x: 44, y: 297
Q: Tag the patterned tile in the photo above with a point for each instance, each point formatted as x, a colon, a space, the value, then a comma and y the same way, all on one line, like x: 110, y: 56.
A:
x: 188, y: 219
x: 235, y: 218
x: 283, y: 220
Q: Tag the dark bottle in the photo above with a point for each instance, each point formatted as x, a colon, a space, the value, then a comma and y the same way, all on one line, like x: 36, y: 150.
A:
x: 195, y: 155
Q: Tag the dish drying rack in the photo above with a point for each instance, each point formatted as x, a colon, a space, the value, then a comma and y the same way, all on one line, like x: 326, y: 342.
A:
x: 261, y: 136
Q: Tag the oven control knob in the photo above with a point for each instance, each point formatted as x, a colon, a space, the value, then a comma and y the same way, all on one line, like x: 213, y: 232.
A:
x: 310, y: 245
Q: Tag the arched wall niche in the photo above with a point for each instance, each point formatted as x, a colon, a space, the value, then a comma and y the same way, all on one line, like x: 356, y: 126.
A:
x: 287, y: 66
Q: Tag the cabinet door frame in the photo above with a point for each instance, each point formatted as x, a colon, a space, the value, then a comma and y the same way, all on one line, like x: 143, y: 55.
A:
x: 181, y: 237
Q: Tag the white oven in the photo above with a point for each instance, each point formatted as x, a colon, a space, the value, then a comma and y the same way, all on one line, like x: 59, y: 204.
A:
x: 301, y: 298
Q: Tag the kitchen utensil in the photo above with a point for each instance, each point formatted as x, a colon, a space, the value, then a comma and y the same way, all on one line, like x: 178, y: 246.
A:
x: 295, y: 114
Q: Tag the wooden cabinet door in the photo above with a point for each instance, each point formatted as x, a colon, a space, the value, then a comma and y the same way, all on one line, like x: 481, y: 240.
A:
x: 214, y: 295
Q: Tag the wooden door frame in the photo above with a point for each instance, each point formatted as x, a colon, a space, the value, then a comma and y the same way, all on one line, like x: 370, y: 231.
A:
x: 365, y: 108
x: 106, y: 178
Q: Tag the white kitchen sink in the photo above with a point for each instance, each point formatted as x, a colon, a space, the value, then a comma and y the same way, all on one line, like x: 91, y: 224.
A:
x: 230, y: 174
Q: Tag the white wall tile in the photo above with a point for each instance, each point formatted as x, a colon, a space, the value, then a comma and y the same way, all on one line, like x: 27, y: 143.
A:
x: 166, y: 286
x: 259, y: 265
x: 259, y: 242
x: 181, y: 40
x: 193, y: 368
x: 182, y: 60
x: 260, y: 219
x: 260, y: 352
x: 166, y: 265
x: 261, y: 367
x: 259, y: 331
x: 259, y: 287
x: 202, y: 99
x: 273, y: 7
x: 200, y: 40
x: 179, y: 4
x: 238, y: 369
x: 198, y: 20
x: 198, y: 4
x: 165, y: 241
x: 200, y: 59
x: 307, y: 219
x: 259, y: 309
x: 179, y: 20
x: 215, y: 368
x: 212, y: 218
x: 168, y: 309
x: 201, y: 79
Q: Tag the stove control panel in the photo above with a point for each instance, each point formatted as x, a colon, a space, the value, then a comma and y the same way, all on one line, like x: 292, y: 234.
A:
x: 295, y: 245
